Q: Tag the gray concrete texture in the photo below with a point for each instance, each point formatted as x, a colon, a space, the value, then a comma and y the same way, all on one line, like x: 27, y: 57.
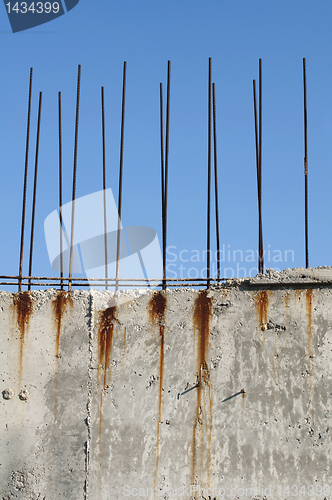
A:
x: 225, y: 393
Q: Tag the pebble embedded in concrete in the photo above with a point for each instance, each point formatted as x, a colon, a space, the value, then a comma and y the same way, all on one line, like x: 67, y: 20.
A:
x: 24, y: 395
x: 8, y: 394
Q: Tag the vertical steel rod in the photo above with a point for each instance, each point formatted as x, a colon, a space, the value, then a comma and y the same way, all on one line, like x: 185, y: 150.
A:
x: 209, y: 181
x: 74, y: 176
x: 104, y: 183
x: 306, y: 163
x: 25, y: 185
x: 162, y: 182
x: 256, y: 131
x: 257, y: 170
x: 34, y: 191
x: 60, y: 190
x: 166, y: 169
x: 216, y: 177
x: 120, y: 176
x: 261, y: 254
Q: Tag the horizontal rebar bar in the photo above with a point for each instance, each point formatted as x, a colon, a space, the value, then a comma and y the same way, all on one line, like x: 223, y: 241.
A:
x: 102, y: 284
x: 111, y: 279
x: 184, y: 284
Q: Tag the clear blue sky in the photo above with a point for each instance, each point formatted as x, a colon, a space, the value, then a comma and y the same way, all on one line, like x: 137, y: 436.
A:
x: 235, y: 33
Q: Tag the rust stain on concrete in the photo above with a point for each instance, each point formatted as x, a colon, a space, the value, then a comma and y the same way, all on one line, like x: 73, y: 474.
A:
x: 23, y: 306
x: 202, y: 318
x: 107, y: 320
x: 60, y: 304
x: 157, y: 308
x: 262, y: 307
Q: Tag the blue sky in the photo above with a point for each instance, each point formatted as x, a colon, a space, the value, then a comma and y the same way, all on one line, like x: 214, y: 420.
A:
x: 235, y: 34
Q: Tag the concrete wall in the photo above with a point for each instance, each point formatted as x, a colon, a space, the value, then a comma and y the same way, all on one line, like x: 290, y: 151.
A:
x: 229, y: 390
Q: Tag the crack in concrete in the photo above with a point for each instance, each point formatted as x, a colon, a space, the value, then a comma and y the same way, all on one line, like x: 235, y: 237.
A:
x: 89, y: 400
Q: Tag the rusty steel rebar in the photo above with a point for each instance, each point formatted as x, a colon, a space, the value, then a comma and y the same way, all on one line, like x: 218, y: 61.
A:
x: 100, y: 282
x: 120, y: 175
x: 170, y: 283
x: 25, y: 183
x: 256, y: 131
x: 60, y: 187
x: 104, y: 180
x: 35, y: 189
x: 257, y: 171
x: 74, y: 176
x: 162, y: 180
x: 166, y: 170
x: 209, y: 179
x: 216, y: 177
x: 258, y: 144
x: 124, y: 280
x: 306, y: 163
x: 261, y: 255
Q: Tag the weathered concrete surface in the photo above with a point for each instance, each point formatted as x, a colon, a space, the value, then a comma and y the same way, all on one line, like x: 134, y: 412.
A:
x: 230, y: 389
x: 43, y: 349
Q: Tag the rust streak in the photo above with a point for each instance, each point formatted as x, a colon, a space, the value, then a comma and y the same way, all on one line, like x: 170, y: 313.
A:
x: 107, y: 320
x: 59, y: 306
x: 202, y: 322
x: 23, y: 304
x: 157, y: 308
x: 262, y: 305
